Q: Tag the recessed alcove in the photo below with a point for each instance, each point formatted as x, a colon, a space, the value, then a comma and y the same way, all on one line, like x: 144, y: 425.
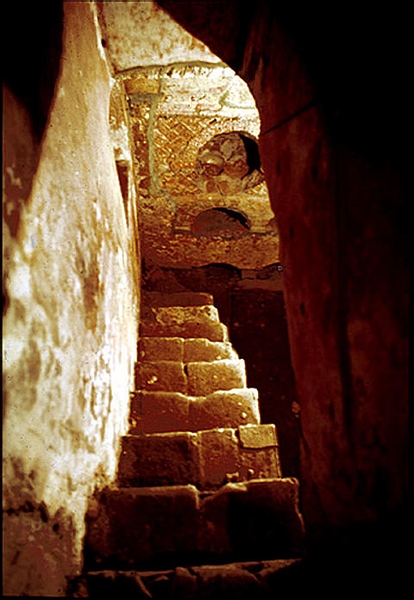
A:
x: 221, y: 221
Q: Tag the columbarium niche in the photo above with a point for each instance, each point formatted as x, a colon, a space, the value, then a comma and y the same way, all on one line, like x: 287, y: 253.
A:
x: 229, y: 163
x: 222, y: 222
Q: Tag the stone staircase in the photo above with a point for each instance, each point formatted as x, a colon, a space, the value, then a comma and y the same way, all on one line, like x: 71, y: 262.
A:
x: 199, y: 478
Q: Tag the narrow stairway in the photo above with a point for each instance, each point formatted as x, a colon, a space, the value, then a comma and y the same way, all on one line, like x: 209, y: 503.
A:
x: 200, y: 508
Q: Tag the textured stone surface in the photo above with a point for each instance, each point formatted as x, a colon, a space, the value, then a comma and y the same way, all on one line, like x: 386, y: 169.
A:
x: 216, y: 332
x: 207, y: 377
x: 176, y: 299
x: 196, y: 379
x: 71, y: 298
x: 158, y: 348
x: 164, y: 375
x: 175, y: 525
x: 180, y: 315
x: 183, y: 321
x: 241, y: 580
x: 272, y: 525
x: 203, y: 350
x: 159, y: 412
x: 159, y: 459
x: 219, y: 456
x: 137, y: 525
x: 206, y: 458
x: 258, y: 330
x: 142, y: 34
x: 228, y: 408
x: 263, y: 436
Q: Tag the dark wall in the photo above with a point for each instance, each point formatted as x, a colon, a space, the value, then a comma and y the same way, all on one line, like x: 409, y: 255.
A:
x: 330, y: 87
x: 258, y: 331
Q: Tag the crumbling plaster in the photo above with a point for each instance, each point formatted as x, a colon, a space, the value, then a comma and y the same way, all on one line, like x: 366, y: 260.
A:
x: 70, y: 329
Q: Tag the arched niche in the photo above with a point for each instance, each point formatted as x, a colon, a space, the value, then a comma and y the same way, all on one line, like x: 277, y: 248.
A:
x: 229, y: 163
x: 220, y: 221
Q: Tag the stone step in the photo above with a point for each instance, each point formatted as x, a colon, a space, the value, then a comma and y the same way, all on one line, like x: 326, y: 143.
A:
x: 161, y: 412
x: 265, y: 580
x: 135, y: 528
x: 193, y: 378
x: 206, y: 459
x: 183, y: 321
x: 176, y: 299
x: 184, y: 349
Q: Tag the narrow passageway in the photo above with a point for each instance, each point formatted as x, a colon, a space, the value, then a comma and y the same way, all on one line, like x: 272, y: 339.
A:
x: 206, y: 299
x: 199, y: 477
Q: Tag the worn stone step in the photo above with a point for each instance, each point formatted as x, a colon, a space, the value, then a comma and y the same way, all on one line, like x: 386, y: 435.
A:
x: 241, y: 580
x: 129, y: 528
x: 183, y: 321
x: 184, y: 349
x: 195, y: 379
x: 206, y: 459
x: 155, y: 299
x: 162, y: 375
x: 161, y: 412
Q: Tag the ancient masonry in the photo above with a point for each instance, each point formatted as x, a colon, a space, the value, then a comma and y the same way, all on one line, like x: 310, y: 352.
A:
x: 199, y: 479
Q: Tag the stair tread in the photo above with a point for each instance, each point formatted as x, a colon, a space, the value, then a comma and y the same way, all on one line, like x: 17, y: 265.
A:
x: 199, y: 478
x: 206, y: 458
x: 176, y: 298
x: 212, y: 582
x: 235, y: 579
x: 184, y: 349
x: 194, y: 378
x: 131, y: 527
x: 160, y: 411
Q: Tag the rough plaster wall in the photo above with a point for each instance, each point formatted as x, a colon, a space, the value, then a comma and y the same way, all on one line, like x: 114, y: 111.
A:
x: 71, y: 322
x: 141, y: 34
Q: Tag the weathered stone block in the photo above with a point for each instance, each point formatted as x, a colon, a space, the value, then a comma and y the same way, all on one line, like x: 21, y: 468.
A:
x: 216, y: 332
x: 203, y: 350
x: 227, y: 581
x: 213, y: 532
x: 219, y: 456
x: 272, y: 524
x: 137, y: 525
x: 177, y: 299
x: 257, y: 436
x: 181, y: 315
x: 207, y: 377
x: 259, y: 463
x: 259, y: 454
x: 110, y: 584
x: 187, y: 322
x: 161, y: 348
x: 161, y: 376
x: 228, y: 408
x: 159, y: 412
x: 252, y: 520
x: 159, y: 460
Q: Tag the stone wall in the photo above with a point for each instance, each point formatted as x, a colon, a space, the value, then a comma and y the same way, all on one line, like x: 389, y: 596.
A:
x: 332, y: 150
x: 71, y: 273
